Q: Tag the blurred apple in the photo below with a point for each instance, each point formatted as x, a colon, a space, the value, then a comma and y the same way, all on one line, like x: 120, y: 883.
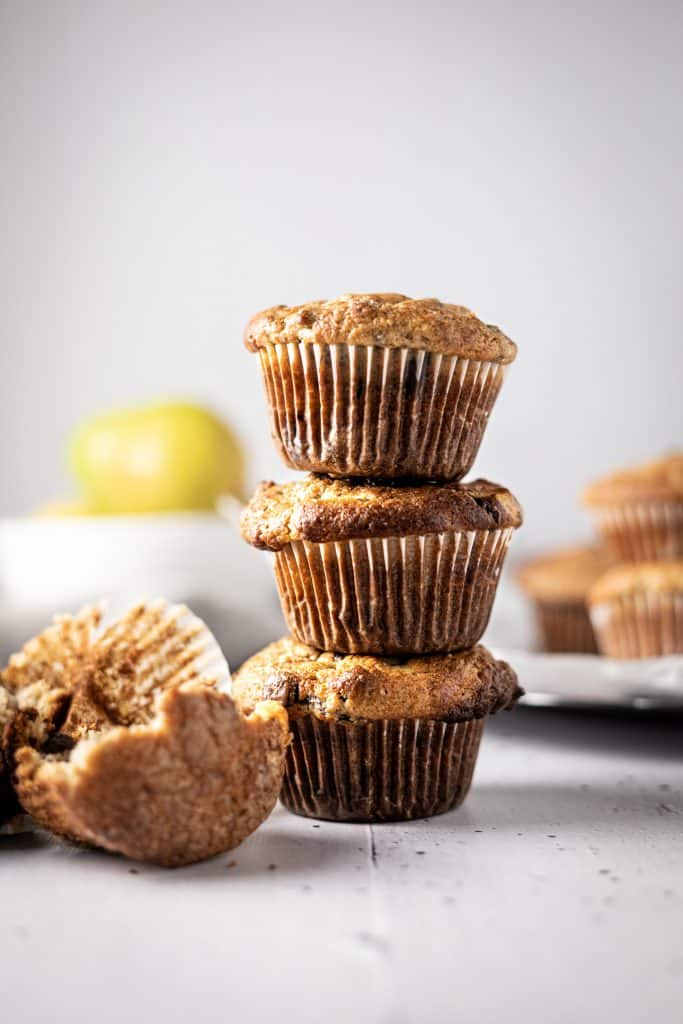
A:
x: 63, y: 507
x: 155, y: 458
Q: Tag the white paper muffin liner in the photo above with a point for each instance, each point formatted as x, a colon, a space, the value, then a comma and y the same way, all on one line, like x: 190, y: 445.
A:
x: 647, y: 532
x: 565, y: 627
x: 394, y: 595
x: 641, y: 625
x: 378, y: 770
x: 354, y: 410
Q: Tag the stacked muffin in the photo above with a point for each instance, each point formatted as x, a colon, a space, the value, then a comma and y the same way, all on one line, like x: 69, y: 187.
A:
x: 624, y: 596
x: 386, y: 565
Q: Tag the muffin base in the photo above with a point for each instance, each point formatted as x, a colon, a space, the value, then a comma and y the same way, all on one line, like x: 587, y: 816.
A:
x: 355, y: 410
x: 378, y: 771
x: 640, y: 625
x: 392, y: 595
x: 643, y: 533
x: 565, y: 628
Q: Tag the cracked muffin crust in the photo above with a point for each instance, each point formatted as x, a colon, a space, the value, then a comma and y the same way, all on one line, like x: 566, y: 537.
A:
x: 457, y: 687
x: 321, y: 509
x: 385, y: 319
x: 126, y: 740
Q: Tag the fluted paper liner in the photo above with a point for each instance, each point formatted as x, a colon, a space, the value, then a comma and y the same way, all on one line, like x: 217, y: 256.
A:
x: 393, y: 595
x: 354, y: 410
x: 378, y: 770
x: 648, y: 532
x: 565, y: 628
x: 639, y: 625
x: 147, y: 755
x: 153, y: 647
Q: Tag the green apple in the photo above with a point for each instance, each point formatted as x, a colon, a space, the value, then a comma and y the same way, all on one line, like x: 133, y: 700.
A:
x: 58, y: 507
x: 155, y: 458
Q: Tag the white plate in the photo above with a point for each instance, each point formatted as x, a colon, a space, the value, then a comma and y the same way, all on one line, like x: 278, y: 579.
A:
x: 578, y: 680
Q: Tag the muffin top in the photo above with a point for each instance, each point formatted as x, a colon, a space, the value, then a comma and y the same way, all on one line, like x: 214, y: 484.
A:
x: 319, y: 508
x: 658, y: 481
x: 565, y: 575
x: 388, y: 320
x: 639, y: 578
x: 457, y: 687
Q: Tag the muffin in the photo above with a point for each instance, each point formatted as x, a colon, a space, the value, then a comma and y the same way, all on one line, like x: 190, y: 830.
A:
x: 379, y: 385
x: 637, y: 610
x: 557, y: 585
x: 639, y: 511
x: 125, y: 738
x: 370, y: 568
x: 377, y: 739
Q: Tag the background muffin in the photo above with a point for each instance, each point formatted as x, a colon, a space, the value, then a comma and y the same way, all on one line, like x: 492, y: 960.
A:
x: 377, y: 739
x: 558, y: 584
x: 637, y: 610
x: 384, y: 569
x: 639, y: 511
x: 379, y: 385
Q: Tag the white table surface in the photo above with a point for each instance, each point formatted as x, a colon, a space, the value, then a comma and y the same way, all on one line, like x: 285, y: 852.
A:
x: 554, y: 894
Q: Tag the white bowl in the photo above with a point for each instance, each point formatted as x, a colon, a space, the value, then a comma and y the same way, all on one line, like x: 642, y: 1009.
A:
x: 50, y: 565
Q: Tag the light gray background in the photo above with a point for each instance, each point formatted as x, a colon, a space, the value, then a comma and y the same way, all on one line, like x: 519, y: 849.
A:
x: 168, y: 169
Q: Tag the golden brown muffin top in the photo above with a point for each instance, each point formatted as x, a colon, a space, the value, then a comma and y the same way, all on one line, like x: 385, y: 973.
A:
x: 640, y: 577
x: 319, y: 508
x: 388, y: 320
x: 565, y: 575
x: 458, y: 687
x: 658, y: 481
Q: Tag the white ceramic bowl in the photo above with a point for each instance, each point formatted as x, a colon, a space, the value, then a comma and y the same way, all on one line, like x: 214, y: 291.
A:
x: 50, y: 565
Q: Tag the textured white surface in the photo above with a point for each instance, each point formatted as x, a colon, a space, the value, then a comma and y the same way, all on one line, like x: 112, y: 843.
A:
x: 554, y: 894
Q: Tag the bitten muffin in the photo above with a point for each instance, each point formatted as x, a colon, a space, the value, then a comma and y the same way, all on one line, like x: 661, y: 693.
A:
x: 637, y: 610
x: 639, y: 511
x: 379, y: 385
x: 124, y: 738
x: 372, y: 568
x: 557, y: 585
x: 377, y: 739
